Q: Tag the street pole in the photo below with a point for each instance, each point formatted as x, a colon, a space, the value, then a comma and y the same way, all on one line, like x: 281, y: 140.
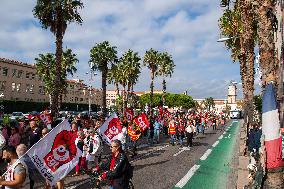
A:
x: 90, y: 95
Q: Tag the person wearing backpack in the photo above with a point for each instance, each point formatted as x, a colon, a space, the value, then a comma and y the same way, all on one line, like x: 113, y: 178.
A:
x: 117, y: 169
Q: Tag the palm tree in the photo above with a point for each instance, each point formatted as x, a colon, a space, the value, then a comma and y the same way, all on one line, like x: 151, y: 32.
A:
x: 239, y: 24
x: 132, y: 60
x: 46, y: 69
x: 55, y: 15
x: 69, y: 60
x: 101, y: 56
x: 151, y: 60
x: 165, y: 69
x: 113, y: 77
x: 267, y: 25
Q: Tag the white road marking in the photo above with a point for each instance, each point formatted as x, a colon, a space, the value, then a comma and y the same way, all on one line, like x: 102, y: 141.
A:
x: 183, y: 149
x: 78, y: 184
x: 143, y: 145
x: 150, y: 152
x: 220, y: 137
x: 206, y: 154
x: 216, y: 143
x: 188, y: 175
x: 224, y: 132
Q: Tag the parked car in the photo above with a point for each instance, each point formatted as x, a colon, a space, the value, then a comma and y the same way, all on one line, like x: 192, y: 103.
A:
x: 17, y: 115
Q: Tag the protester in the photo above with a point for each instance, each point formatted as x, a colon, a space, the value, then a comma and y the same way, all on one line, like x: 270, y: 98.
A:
x: 172, y: 131
x: 2, y: 141
x: 157, y: 127
x: 35, y: 133
x: 83, y: 147
x: 17, y: 175
x: 189, y: 133
x: 115, y: 169
x: 15, y: 137
x: 94, y: 145
x: 21, y: 150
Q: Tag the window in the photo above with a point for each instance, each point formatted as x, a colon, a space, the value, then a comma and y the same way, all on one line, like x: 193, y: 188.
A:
x: 13, y: 86
x: 2, y: 85
x: 81, y: 99
x: 14, y: 72
x: 41, y: 90
x: 5, y: 71
x: 76, y: 99
x: 19, y: 87
x: 33, y: 75
x: 27, y: 88
x: 31, y: 89
x: 27, y: 75
x: 20, y: 73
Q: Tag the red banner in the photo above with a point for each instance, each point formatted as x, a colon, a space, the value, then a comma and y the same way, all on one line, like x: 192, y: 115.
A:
x: 129, y: 114
x: 46, y: 118
x: 142, y: 121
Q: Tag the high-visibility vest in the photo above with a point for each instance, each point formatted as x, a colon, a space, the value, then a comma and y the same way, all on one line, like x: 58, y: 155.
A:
x: 172, y: 129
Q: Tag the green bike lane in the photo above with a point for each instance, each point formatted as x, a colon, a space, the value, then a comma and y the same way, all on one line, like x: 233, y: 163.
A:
x: 213, y: 168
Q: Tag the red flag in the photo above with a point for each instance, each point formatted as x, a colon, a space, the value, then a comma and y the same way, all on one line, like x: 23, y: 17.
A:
x: 111, y: 129
x: 161, y: 111
x: 46, y: 118
x: 129, y: 114
x: 142, y: 121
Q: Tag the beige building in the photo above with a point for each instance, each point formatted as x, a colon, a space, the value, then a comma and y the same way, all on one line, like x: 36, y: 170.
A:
x: 19, y: 82
x: 111, y: 96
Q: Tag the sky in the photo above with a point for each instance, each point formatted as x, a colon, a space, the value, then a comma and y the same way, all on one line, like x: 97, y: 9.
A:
x: 186, y: 29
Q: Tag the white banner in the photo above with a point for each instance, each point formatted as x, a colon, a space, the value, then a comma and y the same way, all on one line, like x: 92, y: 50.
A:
x: 111, y: 129
x: 56, y: 154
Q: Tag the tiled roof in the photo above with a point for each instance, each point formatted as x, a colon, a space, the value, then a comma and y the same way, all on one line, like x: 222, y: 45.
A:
x: 16, y: 62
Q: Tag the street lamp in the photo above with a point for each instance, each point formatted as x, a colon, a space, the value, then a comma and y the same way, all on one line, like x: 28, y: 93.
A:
x: 90, y: 88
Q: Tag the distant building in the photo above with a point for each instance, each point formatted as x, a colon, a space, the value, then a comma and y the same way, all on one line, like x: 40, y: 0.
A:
x: 111, y: 95
x: 220, y: 104
x: 20, y: 82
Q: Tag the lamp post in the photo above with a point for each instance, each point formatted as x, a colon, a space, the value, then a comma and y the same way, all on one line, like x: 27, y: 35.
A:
x: 90, y: 89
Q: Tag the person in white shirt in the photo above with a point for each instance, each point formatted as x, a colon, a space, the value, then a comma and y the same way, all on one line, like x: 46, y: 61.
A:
x: 17, y: 175
x: 189, y: 133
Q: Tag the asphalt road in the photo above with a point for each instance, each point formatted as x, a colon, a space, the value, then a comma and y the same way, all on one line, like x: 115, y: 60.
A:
x: 162, y: 166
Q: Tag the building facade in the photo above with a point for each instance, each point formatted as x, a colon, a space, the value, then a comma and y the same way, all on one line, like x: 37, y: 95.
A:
x: 19, y: 82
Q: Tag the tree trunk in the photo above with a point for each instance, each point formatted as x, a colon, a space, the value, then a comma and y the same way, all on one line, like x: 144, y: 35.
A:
x: 123, y: 100
x: 151, y: 93
x: 117, y: 89
x: 58, y: 54
x: 164, y: 91
x: 104, y: 85
x: 269, y: 67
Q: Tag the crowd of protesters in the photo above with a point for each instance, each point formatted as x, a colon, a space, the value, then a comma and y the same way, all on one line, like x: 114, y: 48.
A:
x: 176, y: 126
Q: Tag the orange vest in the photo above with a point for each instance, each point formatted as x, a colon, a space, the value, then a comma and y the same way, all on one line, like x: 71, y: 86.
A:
x: 172, y: 129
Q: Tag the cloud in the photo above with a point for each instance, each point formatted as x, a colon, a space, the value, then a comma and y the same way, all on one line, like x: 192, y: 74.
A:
x: 188, y: 30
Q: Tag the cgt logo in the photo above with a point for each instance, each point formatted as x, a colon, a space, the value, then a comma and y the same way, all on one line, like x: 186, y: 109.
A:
x: 142, y: 124
x: 114, y: 128
x: 63, y: 151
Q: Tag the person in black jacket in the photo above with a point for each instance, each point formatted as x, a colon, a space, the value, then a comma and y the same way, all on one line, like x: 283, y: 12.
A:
x: 116, y: 168
x: 35, y: 133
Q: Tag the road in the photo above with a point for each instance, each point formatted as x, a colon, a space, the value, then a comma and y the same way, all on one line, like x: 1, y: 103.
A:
x: 210, y: 163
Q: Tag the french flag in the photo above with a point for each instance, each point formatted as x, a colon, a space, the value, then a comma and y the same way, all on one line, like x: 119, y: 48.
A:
x: 271, y: 128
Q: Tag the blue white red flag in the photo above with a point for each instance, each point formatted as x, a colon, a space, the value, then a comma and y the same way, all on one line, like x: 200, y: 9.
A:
x: 271, y: 128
